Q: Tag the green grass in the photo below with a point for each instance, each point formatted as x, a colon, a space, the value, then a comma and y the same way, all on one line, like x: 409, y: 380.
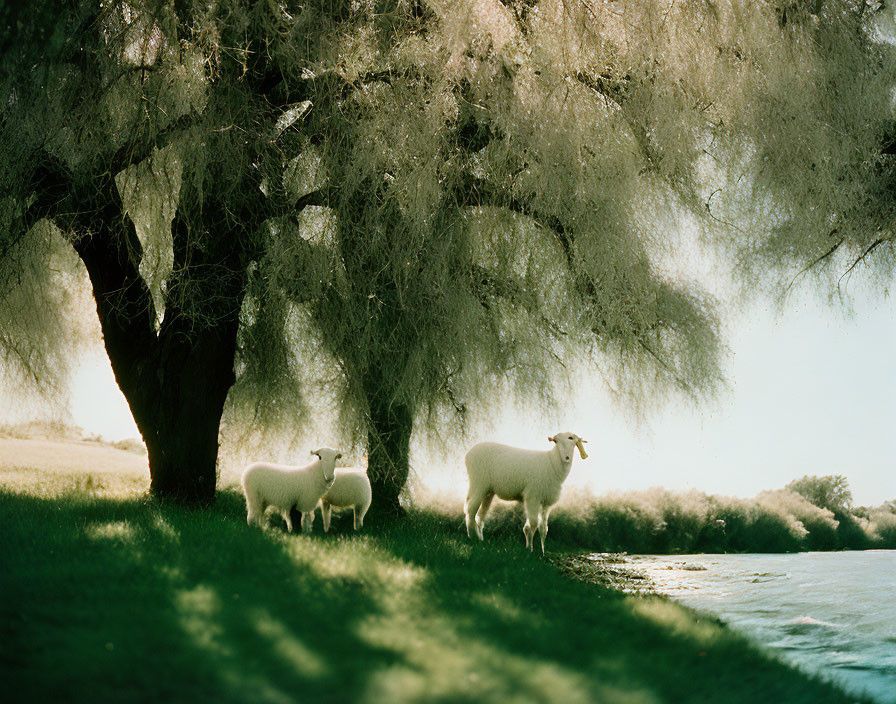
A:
x: 119, y: 599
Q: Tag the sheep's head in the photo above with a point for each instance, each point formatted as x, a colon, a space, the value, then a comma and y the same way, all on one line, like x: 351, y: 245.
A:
x: 566, y: 442
x: 328, y: 457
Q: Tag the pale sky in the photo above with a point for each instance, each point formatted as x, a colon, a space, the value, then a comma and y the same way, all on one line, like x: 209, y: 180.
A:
x: 811, y: 392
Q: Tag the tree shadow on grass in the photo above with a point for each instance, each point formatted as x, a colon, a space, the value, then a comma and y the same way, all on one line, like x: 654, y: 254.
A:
x: 125, y: 600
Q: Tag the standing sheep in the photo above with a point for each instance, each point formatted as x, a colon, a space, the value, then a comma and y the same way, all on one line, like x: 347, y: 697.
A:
x: 284, y: 486
x: 351, y: 488
x: 510, y: 473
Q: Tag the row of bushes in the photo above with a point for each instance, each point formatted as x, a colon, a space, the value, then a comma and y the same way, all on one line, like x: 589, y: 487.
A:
x: 661, y: 522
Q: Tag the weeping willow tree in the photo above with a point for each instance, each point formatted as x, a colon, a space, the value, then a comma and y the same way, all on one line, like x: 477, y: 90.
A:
x: 498, y: 179
x: 483, y: 212
x: 449, y: 199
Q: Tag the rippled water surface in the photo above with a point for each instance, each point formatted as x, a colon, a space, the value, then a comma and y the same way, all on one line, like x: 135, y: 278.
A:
x: 831, y: 613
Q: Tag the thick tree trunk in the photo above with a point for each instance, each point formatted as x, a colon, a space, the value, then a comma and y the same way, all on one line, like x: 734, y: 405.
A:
x: 176, y: 384
x: 182, y: 434
x: 388, y: 453
x: 175, y: 380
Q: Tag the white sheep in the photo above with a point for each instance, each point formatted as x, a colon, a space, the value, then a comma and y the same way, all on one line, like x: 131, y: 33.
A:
x: 284, y: 486
x: 350, y: 489
x: 510, y: 473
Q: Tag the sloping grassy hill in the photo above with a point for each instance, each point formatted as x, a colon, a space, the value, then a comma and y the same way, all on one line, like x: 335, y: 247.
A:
x: 117, y: 599
x: 56, y: 455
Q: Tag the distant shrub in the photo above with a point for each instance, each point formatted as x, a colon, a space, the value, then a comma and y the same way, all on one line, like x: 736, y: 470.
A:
x: 854, y: 532
x: 831, y: 492
x: 130, y: 445
x: 819, y: 525
x: 41, y: 430
x: 883, y: 528
x: 629, y: 522
x: 773, y: 530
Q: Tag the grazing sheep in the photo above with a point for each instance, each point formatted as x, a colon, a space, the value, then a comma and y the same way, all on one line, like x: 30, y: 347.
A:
x: 351, y: 488
x: 531, y: 476
x: 284, y: 486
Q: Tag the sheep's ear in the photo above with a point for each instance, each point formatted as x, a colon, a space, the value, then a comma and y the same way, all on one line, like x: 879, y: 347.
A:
x: 338, y: 455
x: 550, y: 439
x: 316, y: 452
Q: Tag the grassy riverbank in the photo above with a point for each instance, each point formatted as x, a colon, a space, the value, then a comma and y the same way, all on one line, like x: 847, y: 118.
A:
x: 109, y: 597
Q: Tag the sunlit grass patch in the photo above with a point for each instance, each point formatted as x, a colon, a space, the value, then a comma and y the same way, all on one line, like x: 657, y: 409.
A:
x: 288, y: 647
x: 670, y: 616
x: 199, y: 609
x: 113, y: 530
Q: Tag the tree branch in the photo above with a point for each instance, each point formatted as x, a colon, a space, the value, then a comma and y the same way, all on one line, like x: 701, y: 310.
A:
x: 106, y: 243
x: 50, y: 184
x: 605, y: 85
x: 295, y: 90
x: 134, y: 152
x: 473, y: 190
x: 817, y: 261
x: 874, y: 245
x: 322, y: 197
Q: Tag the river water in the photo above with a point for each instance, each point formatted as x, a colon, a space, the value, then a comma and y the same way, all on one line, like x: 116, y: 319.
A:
x: 829, y: 613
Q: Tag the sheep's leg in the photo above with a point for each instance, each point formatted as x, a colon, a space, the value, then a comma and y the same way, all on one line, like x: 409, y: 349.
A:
x: 288, y: 519
x: 251, y: 516
x: 543, y: 526
x: 359, y: 516
x: 254, y: 510
x: 532, y: 516
x: 471, y: 506
x: 483, y: 512
x: 307, y: 521
x: 325, y: 511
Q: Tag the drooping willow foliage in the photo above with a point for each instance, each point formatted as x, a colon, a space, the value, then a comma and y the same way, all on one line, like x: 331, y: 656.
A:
x: 811, y: 158
x: 481, y: 208
x: 40, y: 334
x: 444, y: 201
